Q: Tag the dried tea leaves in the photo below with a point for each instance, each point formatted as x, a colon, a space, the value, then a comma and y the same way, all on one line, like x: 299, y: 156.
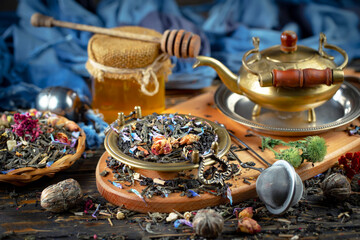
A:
x: 166, y: 138
x: 33, y: 139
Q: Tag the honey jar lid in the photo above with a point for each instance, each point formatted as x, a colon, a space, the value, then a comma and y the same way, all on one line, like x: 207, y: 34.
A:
x: 110, y: 56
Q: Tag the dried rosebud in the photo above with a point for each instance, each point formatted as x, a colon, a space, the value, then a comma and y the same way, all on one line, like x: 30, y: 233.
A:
x: 62, y: 137
x: 208, y: 223
x: 336, y: 186
x: 189, y: 139
x: 248, y: 225
x: 72, y: 126
x: 4, y: 121
x: 161, y: 146
x: 61, y: 196
x: 247, y: 212
x: 58, y: 120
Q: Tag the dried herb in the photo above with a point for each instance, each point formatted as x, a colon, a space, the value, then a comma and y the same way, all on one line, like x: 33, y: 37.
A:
x: 313, y: 149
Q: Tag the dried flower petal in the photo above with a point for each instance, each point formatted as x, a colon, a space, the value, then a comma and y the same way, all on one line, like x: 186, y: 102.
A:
x: 248, y: 225
x: 247, y: 212
x: 161, y: 146
x: 26, y: 127
x: 189, y: 139
x: 146, y: 152
x: 351, y: 164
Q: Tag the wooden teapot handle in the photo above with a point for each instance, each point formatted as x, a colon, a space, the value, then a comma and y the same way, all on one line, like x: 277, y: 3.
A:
x: 308, y: 77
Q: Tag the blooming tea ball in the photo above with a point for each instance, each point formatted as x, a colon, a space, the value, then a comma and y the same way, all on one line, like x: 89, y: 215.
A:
x: 336, y: 186
x: 61, y: 196
x: 208, y: 223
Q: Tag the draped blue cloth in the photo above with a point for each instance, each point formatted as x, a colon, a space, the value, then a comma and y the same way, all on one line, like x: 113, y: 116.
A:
x: 34, y: 58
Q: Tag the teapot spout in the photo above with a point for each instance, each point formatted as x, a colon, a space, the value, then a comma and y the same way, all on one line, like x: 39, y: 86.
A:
x: 227, y: 77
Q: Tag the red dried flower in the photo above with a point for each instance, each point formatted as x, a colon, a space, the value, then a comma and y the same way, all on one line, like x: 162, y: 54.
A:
x: 247, y: 212
x: 62, y: 137
x: 351, y: 164
x: 248, y: 225
x: 161, y: 146
x: 26, y: 127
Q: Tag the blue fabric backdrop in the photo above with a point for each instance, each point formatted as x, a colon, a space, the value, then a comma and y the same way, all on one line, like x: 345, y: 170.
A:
x: 34, y: 58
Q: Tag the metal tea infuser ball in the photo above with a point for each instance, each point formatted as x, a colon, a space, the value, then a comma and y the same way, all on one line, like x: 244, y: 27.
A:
x: 278, y: 186
x: 62, y: 101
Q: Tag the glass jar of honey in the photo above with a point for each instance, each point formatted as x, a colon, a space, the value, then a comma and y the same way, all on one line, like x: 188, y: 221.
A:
x: 127, y: 73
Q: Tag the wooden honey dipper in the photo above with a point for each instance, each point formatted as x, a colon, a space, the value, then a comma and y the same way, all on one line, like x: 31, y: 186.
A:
x: 177, y: 43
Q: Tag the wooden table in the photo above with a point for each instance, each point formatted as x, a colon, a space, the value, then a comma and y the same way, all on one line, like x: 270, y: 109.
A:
x: 21, y: 215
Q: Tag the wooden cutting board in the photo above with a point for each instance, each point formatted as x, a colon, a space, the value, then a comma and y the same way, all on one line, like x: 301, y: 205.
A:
x: 338, y: 143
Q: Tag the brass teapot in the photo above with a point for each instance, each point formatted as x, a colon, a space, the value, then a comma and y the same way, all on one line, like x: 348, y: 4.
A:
x: 285, y: 77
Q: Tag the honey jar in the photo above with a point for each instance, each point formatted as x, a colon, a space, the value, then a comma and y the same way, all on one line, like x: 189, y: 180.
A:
x: 127, y: 73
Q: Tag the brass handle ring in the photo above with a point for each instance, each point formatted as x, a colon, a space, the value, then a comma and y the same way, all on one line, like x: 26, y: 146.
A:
x: 323, y: 44
x: 256, y: 42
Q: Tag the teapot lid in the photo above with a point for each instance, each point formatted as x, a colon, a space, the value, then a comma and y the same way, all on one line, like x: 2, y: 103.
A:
x: 292, y: 60
x: 289, y: 51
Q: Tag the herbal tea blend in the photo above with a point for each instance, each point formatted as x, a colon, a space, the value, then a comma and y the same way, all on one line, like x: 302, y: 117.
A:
x: 188, y: 185
x: 34, y: 139
x: 167, y: 138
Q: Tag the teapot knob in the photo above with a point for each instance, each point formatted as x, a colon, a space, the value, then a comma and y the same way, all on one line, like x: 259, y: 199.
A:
x: 288, y: 41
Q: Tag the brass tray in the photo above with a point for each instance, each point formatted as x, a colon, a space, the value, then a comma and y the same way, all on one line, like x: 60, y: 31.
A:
x: 341, y: 109
x: 111, y: 146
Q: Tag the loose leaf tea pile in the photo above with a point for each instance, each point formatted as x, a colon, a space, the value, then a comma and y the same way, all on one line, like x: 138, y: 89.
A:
x: 166, y: 138
x: 185, y: 184
x: 33, y: 139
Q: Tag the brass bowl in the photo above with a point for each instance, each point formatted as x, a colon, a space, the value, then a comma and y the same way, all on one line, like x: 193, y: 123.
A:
x: 111, y: 146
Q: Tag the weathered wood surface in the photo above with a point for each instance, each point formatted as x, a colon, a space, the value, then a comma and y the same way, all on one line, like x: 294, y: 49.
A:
x: 21, y: 215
